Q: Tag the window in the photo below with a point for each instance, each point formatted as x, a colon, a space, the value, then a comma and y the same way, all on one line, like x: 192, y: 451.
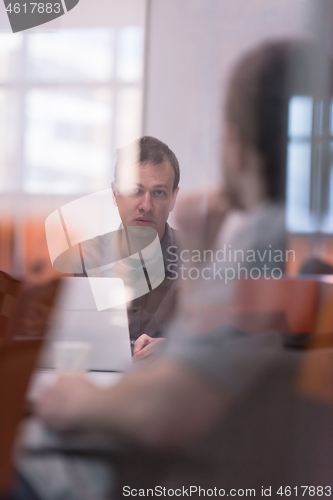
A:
x: 68, y: 98
x: 309, y: 194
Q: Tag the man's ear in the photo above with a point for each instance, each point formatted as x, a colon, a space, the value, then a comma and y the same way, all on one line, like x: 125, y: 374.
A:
x: 114, y: 193
x: 174, y: 197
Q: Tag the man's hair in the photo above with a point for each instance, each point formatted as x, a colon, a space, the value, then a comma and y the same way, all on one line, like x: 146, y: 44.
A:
x: 258, y: 101
x: 150, y: 150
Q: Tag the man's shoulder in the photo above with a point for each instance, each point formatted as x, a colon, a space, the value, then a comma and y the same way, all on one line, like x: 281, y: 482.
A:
x: 171, y: 237
x: 170, y: 244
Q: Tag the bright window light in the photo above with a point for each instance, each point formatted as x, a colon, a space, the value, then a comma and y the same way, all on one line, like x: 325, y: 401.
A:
x: 68, y: 99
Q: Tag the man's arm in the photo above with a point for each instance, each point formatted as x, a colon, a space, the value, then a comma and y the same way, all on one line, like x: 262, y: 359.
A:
x: 165, y: 404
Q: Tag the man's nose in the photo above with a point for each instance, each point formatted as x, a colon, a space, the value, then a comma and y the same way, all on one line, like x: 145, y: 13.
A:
x: 145, y: 203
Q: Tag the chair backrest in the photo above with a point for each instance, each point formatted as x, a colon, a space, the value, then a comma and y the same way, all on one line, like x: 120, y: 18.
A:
x: 324, y: 324
x: 19, y: 350
x: 9, y: 290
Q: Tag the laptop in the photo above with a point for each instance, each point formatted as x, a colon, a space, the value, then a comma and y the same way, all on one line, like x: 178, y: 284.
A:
x: 76, y: 318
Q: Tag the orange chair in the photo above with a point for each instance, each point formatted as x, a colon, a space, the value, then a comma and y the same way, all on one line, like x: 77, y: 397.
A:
x: 19, y: 351
x: 256, y: 306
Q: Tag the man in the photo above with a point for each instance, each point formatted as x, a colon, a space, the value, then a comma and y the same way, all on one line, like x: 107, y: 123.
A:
x: 145, y: 190
x: 232, y: 402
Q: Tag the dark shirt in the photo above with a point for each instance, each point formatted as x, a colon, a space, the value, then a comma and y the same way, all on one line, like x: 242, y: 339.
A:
x: 150, y: 312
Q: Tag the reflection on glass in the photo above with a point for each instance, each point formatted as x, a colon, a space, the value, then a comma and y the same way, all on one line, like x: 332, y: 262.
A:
x: 67, y: 140
x: 328, y: 219
x: 9, y: 136
x: 130, y: 54
x: 10, y: 52
x: 331, y: 118
x: 298, y: 216
x: 77, y: 98
x: 81, y: 54
x: 300, y: 117
x: 298, y: 188
x: 128, y: 122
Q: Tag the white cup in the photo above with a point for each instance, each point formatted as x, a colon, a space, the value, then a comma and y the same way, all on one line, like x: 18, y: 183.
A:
x: 71, y: 357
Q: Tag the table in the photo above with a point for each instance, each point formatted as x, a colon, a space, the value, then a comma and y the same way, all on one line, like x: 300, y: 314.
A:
x: 43, y: 378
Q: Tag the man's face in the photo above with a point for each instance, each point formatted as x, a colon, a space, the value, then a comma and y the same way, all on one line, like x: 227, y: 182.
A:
x: 150, y: 199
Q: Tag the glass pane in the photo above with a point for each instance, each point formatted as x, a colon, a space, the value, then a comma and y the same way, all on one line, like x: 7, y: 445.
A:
x: 130, y: 54
x: 298, y: 216
x: 68, y: 140
x: 10, y: 152
x: 328, y: 219
x: 10, y: 56
x: 75, y: 55
x: 331, y: 119
x: 128, y: 120
x: 300, y: 116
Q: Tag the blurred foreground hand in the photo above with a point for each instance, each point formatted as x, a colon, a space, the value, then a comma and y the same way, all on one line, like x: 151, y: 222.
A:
x: 63, y: 405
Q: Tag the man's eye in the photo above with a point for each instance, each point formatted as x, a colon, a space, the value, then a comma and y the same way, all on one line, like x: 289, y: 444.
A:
x: 158, y: 192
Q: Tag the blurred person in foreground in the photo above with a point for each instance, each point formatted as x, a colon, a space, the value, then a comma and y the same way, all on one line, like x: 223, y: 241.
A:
x: 229, y: 404
x: 247, y: 214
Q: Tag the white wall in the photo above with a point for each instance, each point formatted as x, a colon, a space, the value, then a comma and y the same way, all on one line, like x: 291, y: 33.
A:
x: 192, y: 47
x: 192, y: 44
